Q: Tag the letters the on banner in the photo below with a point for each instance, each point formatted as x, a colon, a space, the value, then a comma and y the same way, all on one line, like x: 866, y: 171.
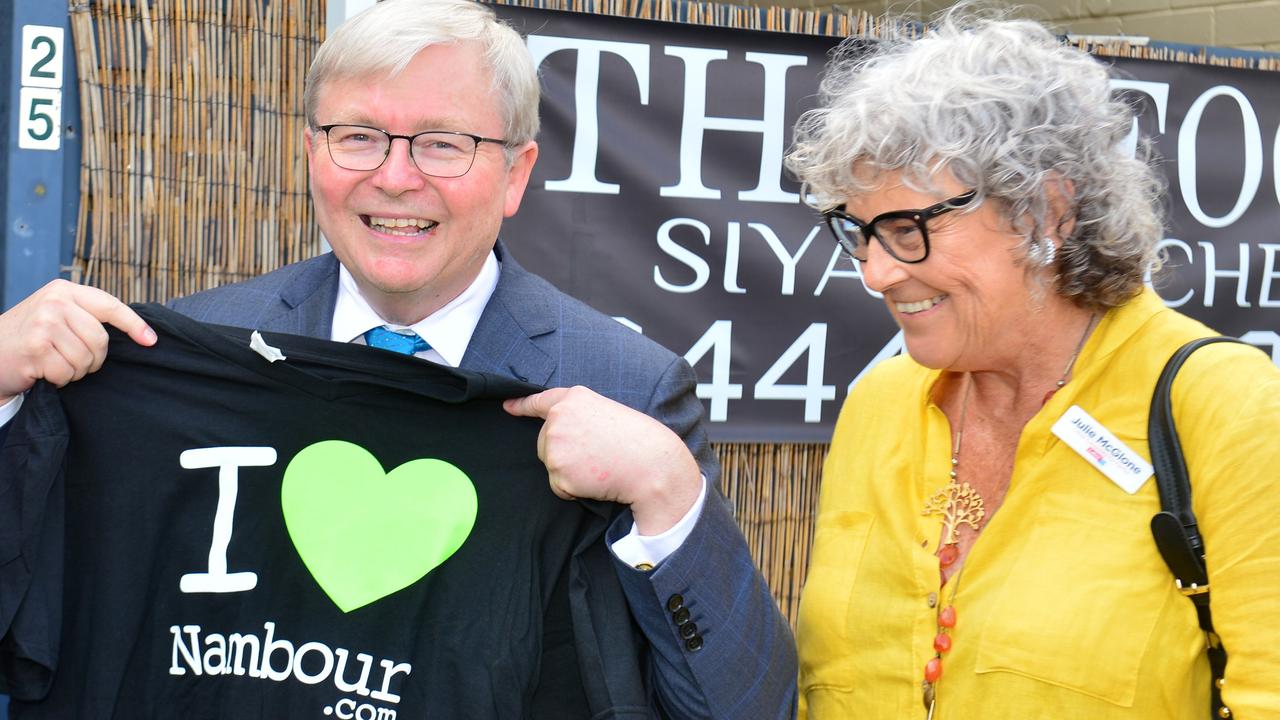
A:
x: 660, y: 198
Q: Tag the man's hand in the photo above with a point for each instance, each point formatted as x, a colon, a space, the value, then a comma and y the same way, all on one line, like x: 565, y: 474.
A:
x: 57, y: 334
x: 596, y: 448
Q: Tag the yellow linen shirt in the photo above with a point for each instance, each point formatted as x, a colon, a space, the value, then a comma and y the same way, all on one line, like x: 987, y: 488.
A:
x: 1065, y: 608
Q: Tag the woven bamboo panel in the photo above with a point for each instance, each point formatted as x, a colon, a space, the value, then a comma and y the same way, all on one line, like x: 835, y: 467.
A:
x: 193, y: 173
x: 774, y: 491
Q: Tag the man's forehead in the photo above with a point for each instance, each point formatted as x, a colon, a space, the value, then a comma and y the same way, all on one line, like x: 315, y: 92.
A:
x: 371, y: 117
x: 363, y: 99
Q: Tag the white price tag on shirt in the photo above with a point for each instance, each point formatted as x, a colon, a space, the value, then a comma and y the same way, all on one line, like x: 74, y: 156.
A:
x: 1102, y: 449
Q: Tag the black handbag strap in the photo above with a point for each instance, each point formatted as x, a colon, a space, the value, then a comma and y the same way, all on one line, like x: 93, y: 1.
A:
x: 1174, y: 528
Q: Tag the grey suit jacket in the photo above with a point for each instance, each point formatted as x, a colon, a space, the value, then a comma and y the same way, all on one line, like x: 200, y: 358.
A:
x: 744, y: 664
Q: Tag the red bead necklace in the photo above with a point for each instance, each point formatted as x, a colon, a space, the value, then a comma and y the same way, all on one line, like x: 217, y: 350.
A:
x: 959, y: 504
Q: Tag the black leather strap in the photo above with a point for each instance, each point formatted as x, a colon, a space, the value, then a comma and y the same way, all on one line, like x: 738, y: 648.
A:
x: 1174, y: 528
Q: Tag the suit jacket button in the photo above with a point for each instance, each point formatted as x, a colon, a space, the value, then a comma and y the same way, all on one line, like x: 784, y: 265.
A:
x: 694, y: 644
x: 675, y: 602
x: 681, y: 616
x: 688, y: 631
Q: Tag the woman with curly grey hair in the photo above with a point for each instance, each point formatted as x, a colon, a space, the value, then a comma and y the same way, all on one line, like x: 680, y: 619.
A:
x: 983, y: 547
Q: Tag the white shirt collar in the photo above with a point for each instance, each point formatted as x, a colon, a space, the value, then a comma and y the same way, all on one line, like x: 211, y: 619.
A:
x: 448, y: 330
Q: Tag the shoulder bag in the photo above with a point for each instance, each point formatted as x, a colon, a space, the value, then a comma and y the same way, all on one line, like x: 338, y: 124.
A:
x: 1174, y: 527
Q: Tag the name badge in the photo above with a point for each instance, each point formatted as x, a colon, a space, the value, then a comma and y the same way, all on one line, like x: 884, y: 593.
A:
x: 1102, y: 449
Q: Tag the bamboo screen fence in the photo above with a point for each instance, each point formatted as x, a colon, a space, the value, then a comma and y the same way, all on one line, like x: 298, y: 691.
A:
x: 193, y: 176
x: 192, y: 173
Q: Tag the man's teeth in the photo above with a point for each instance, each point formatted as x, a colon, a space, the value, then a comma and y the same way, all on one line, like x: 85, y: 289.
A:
x: 920, y: 305
x: 397, y: 226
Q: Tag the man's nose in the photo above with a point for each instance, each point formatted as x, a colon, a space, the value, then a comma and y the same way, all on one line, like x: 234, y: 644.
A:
x: 398, y: 172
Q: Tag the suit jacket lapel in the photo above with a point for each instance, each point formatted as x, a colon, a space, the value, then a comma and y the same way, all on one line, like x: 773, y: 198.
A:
x: 516, y: 333
x: 307, y: 300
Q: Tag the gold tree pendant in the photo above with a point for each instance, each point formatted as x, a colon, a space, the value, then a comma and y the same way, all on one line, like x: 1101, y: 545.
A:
x: 958, y: 504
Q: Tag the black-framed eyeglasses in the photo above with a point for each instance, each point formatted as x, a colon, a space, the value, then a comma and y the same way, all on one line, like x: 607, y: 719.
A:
x: 439, y: 153
x: 904, y: 234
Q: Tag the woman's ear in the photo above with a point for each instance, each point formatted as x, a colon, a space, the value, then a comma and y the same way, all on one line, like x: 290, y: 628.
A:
x: 1060, y: 194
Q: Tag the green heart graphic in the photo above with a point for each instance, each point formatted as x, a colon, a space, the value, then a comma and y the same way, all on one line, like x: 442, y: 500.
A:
x: 364, y: 534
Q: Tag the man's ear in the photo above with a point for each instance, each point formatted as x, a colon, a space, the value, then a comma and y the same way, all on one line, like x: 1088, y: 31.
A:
x: 518, y: 177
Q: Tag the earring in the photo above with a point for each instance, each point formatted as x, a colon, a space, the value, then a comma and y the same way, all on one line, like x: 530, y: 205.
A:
x: 1043, y: 252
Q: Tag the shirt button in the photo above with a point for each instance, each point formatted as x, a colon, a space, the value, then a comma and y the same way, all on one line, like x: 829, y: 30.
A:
x: 933, y: 599
x: 675, y: 602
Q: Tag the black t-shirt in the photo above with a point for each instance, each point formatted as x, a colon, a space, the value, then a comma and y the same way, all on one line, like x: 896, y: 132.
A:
x: 345, y: 533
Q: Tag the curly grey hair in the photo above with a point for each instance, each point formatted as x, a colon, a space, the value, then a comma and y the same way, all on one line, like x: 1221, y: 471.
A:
x: 387, y: 36
x: 1004, y: 108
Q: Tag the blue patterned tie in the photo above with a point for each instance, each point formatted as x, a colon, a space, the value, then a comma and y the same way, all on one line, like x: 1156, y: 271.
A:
x: 403, y: 343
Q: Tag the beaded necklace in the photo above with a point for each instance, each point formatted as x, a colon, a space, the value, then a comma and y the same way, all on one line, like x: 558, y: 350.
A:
x: 960, y: 504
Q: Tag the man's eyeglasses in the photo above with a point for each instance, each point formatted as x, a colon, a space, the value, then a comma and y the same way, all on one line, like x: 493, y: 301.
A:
x: 903, y: 233
x: 439, y: 153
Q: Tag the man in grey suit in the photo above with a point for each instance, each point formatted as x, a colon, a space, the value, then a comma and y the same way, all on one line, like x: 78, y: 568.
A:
x: 414, y: 228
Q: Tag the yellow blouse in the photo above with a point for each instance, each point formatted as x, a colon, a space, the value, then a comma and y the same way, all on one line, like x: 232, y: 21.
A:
x: 1065, y: 608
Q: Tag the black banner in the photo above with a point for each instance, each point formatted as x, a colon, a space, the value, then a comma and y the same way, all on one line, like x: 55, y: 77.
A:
x: 659, y: 198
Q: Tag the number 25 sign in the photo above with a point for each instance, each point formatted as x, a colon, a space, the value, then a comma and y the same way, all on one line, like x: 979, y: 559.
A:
x: 40, y: 97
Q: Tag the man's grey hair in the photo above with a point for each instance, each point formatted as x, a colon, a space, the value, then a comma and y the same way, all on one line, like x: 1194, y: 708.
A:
x: 385, y: 38
x: 1007, y: 109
